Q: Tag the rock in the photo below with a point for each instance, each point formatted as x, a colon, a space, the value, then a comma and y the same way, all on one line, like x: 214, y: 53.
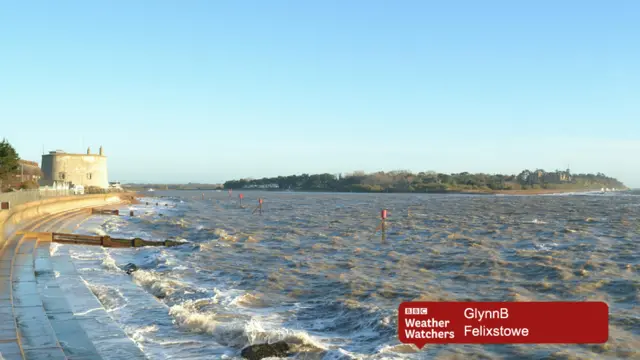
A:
x: 261, y: 351
x: 130, y: 268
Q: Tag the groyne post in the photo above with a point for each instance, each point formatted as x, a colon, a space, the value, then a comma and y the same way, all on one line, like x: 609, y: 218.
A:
x: 383, y: 223
x: 382, y: 226
x: 259, y: 207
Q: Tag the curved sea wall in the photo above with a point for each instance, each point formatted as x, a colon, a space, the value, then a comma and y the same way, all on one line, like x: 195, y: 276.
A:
x: 9, y: 219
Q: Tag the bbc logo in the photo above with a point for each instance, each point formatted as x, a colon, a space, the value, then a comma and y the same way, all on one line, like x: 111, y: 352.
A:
x: 415, y: 311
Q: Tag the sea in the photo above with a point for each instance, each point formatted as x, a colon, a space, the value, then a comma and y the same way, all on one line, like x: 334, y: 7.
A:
x: 314, y: 269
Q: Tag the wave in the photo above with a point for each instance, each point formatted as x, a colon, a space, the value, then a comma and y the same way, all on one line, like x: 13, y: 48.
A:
x: 109, y: 263
x: 340, y: 354
x: 365, y: 322
x: 237, y: 331
x: 53, y: 249
x: 98, y: 231
x: 159, y: 285
x: 83, y: 255
x: 223, y: 235
x: 181, y: 223
x: 138, y: 334
x: 250, y: 301
x: 150, y: 258
x: 399, y: 349
x: 111, y: 298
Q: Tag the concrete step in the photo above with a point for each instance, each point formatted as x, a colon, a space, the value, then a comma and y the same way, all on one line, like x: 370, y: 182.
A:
x: 73, y: 339
x: 35, y: 334
x: 83, y: 313
x: 47, y: 317
x: 9, y: 343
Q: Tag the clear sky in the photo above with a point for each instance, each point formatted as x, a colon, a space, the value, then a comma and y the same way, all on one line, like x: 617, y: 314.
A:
x: 207, y: 91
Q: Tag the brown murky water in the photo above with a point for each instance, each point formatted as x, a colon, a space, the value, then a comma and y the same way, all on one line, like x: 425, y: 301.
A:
x: 311, y: 271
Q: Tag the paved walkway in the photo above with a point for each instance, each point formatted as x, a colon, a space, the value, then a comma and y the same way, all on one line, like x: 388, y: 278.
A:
x: 46, y: 310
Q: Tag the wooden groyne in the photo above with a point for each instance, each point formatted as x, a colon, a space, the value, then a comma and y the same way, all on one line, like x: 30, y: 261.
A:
x: 105, y: 241
x: 102, y: 211
x: 106, y: 211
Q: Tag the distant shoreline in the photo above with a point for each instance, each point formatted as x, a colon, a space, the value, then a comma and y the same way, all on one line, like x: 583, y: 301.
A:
x: 538, y: 182
x: 536, y: 191
x: 446, y: 192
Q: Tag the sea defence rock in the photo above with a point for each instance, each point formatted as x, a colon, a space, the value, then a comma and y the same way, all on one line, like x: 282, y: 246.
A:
x: 130, y: 268
x: 261, y: 351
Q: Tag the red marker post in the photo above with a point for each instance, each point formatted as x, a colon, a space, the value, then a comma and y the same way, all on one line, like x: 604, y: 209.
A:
x: 383, y: 224
x: 241, y: 197
x: 259, y: 208
x: 422, y: 323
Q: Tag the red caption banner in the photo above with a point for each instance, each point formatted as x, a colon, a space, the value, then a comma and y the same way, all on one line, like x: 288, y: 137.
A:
x: 422, y: 323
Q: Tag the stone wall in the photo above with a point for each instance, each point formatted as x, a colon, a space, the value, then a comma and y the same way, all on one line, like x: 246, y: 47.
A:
x: 76, y: 169
x: 10, y: 219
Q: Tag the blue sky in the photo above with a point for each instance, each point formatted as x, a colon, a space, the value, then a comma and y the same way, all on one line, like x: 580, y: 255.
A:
x: 208, y: 91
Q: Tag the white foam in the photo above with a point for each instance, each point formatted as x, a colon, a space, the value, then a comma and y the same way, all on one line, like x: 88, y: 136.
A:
x: 110, y: 297
x: 340, y: 354
x: 138, y: 334
x: 235, y: 332
x: 545, y: 247
x: 109, y: 263
x: 248, y: 300
x: 399, y: 349
x: 223, y: 235
x: 83, y: 256
x: 98, y: 231
x: 53, y: 248
x: 158, y: 285
x: 88, y: 311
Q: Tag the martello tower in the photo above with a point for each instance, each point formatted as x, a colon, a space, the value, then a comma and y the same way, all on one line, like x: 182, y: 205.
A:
x: 61, y: 169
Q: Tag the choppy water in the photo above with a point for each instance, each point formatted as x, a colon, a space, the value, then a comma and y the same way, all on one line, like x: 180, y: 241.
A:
x: 309, y: 271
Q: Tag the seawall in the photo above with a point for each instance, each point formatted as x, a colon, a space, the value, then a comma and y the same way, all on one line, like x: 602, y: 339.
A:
x: 9, y: 219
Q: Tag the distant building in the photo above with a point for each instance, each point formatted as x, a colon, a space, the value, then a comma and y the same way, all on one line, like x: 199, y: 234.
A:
x: 28, y: 171
x: 64, y: 169
x: 115, y: 185
x: 263, y: 186
x: 565, y: 176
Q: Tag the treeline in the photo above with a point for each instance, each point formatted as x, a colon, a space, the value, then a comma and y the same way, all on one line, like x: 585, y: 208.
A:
x: 189, y: 186
x: 12, y: 176
x: 406, y: 181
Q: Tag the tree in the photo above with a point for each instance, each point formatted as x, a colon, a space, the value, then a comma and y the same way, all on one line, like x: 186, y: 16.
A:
x: 8, y: 160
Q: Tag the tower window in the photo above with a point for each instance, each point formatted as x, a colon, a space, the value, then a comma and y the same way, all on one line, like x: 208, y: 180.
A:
x: 89, y: 176
x: 61, y: 175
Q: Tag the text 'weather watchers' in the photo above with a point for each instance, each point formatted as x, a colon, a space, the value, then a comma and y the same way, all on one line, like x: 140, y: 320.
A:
x: 421, y: 323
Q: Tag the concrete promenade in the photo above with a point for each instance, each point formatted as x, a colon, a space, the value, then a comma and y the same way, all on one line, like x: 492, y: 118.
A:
x: 46, y: 310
